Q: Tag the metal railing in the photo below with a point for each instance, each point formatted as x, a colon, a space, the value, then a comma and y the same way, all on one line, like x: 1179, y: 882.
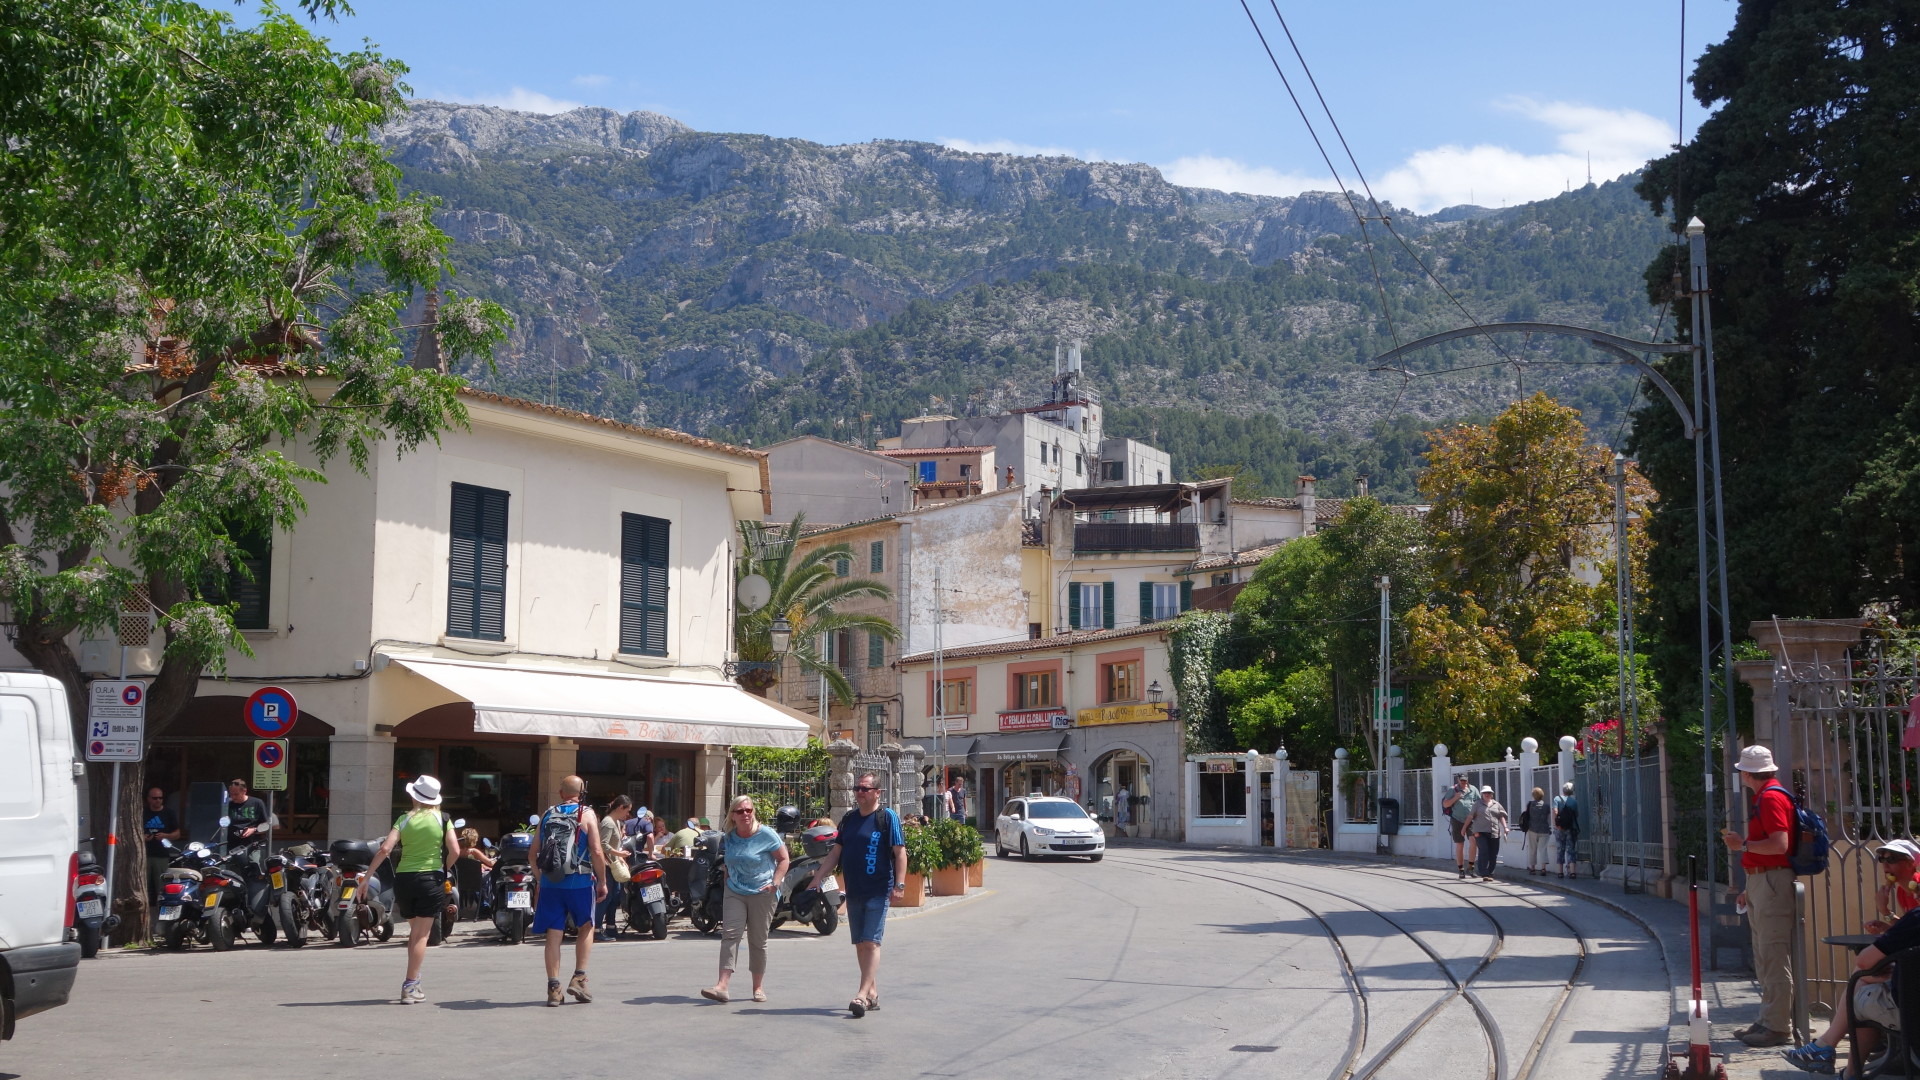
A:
x: 1412, y: 787
x: 1135, y: 536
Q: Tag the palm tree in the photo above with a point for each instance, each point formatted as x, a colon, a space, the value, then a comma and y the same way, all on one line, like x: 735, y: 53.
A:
x: 805, y: 592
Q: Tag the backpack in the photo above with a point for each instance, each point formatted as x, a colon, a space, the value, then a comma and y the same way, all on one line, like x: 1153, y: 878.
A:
x: 561, y: 853
x: 1808, y: 846
x: 1566, y: 814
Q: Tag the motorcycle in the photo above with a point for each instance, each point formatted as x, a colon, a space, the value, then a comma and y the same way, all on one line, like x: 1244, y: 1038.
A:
x: 288, y: 898
x: 707, y: 882
x: 442, y: 927
x: 362, y: 903
x: 238, y: 896
x: 91, y: 923
x: 510, y: 886
x: 183, y: 915
x: 646, y: 896
x: 795, y: 899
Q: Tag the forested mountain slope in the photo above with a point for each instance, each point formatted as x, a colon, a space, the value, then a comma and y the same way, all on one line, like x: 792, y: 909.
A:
x: 752, y: 288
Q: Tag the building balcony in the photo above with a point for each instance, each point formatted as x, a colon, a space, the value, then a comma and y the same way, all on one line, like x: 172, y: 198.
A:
x: 1135, y: 536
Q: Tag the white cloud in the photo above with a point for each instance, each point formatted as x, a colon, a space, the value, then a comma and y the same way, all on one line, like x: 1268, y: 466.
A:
x: 520, y: 99
x: 1018, y: 149
x: 1619, y: 140
x: 1226, y: 174
x: 591, y: 80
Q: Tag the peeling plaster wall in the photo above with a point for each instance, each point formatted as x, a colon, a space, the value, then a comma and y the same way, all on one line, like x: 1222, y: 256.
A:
x: 975, y: 548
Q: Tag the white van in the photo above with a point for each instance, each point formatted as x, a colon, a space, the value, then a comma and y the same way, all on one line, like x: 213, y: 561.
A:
x: 39, y: 852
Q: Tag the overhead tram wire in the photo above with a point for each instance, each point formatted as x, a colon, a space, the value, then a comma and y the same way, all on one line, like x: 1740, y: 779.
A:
x: 1384, y: 218
x: 1386, y: 309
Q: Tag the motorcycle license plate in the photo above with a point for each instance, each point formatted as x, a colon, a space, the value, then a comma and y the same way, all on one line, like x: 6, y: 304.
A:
x: 90, y: 909
x: 214, y: 900
x: 650, y: 893
x: 279, y: 880
x: 346, y: 893
x: 169, y: 913
x: 519, y: 901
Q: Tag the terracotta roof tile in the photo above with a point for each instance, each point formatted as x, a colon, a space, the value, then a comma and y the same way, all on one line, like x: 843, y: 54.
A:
x: 931, y: 451
x: 1026, y: 645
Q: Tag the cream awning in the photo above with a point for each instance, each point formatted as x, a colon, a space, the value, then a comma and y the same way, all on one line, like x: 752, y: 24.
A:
x: 511, y: 700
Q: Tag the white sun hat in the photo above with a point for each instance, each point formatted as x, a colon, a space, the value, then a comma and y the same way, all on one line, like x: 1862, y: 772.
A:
x: 425, y: 791
x: 1756, y: 759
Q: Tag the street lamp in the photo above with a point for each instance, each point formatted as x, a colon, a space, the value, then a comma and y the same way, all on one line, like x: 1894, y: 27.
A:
x: 781, y: 636
x: 1155, y: 692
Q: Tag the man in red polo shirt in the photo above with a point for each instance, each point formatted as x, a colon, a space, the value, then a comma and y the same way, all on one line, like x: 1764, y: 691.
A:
x: 1769, y: 895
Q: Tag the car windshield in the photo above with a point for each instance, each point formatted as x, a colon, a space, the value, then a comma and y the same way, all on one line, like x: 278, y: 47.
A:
x: 1056, y: 810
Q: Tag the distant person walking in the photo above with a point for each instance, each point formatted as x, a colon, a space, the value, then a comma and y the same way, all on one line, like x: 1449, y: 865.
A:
x: 1536, y: 822
x: 572, y: 878
x: 872, y: 857
x: 1459, y: 807
x: 1488, y: 825
x: 158, y: 823
x: 756, y: 862
x: 1769, y: 895
x: 613, y: 829
x: 428, y: 849
x: 1566, y: 830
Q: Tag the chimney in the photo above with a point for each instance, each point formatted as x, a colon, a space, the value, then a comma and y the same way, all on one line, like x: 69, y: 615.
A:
x: 1309, y: 519
x: 1360, y: 485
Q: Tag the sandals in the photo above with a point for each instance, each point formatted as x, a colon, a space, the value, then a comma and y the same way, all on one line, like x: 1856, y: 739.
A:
x: 759, y: 995
x: 714, y: 993
x: 858, y: 1007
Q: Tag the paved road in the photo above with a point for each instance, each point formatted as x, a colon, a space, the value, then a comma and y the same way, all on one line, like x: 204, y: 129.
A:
x: 1154, y: 963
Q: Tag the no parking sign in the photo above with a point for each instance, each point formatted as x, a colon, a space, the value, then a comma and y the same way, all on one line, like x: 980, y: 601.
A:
x: 271, y: 713
x: 270, y: 765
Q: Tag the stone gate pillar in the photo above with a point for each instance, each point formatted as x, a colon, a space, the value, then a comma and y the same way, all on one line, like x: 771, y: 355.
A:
x: 840, y: 778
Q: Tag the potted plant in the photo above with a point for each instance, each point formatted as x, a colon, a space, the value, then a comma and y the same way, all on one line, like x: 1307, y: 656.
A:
x: 956, y: 846
x: 920, y: 855
x: 976, y: 859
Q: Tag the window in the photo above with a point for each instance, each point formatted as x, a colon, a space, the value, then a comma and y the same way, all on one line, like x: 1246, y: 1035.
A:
x: 1043, y: 453
x: 1224, y: 794
x: 1160, y: 600
x: 1056, y: 453
x: 1120, y: 682
x: 1113, y: 470
x: 1159, y: 476
x: 876, y: 650
x: 877, y: 557
x: 929, y: 472
x: 1079, y: 464
x: 1034, y: 631
x: 1035, y: 690
x: 1090, y: 605
x: 966, y: 470
x: 876, y: 726
x: 244, y: 585
x: 956, y: 697
x: 643, y: 584
x: 841, y: 651
x: 477, y: 564
x: 842, y: 566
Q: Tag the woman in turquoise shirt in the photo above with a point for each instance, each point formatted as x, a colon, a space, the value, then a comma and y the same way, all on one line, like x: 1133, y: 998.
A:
x: 756, y: 864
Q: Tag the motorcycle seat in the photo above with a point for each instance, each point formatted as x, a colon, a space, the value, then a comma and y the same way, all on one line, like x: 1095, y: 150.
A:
x: 180, y: 873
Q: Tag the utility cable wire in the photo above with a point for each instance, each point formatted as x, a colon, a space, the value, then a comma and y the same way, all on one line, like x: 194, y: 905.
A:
x: 1386, y: 309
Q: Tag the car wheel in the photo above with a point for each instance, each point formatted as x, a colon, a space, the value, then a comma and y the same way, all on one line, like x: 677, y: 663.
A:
x: 1096, y: 856
x: 1001, y: 847
x: 1024, y: 853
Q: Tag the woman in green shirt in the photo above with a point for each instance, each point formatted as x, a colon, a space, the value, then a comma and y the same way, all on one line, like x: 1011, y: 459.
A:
x: 420, y: 877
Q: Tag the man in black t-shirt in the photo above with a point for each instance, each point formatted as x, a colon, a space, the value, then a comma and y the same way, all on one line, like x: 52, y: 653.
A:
x: 158, y: 823
x: 246, y: 817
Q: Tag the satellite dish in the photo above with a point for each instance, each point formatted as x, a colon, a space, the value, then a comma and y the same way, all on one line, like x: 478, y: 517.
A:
x: 754, y: 592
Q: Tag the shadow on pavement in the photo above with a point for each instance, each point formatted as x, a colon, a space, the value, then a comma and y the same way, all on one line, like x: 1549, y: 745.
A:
x: 332, y: 1004
x: 469, y: 1004
x: 816, y: 1011
x: 665, y: 999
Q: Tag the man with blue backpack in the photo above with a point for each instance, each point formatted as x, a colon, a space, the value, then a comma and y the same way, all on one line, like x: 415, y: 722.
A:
x: 572, y: 878
x: 1766, y: 855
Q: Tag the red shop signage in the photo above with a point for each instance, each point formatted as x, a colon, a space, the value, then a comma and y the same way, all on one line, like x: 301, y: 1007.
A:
x: 1031, y: 720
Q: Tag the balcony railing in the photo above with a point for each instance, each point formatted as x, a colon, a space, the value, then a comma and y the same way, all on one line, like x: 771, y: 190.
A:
x: 1136, y: 536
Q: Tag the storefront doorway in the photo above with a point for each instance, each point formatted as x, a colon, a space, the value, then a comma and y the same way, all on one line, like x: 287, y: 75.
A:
x: 1122, y: 792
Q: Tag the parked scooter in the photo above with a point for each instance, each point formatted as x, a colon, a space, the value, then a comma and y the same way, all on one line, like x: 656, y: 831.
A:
x: 362, y: 903
x: 796, y: 901
x: 707, y: 882
x: 91, y: 924
x: 646, y: 896
x: 511, y: 886
x: 288, y: 899
x: 182, y: 916
x: 239, y: 898
x: 449, y: 910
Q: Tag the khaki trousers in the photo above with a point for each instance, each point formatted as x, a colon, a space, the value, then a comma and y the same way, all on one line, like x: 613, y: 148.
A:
x: 749, y: 915
x: 1770, y: 920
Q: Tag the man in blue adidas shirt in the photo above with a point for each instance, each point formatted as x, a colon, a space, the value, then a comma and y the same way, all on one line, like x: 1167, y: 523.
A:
x: 872, y: 857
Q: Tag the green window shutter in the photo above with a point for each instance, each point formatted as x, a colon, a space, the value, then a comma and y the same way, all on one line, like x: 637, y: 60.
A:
x: 1146, y: 601
x: 477, y: 564
x: 1106, y: 605
x: 876, y: 649
x: 643, y: 584
x: 876, y: 557
x: 1073, y: 605
x: 1186, y: 595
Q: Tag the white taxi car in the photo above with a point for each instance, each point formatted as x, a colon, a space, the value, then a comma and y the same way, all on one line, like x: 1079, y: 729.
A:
x: 1047, y: 825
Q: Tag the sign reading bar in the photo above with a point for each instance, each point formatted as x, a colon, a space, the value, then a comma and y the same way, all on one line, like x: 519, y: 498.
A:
x: 1034, y: 720
x: 1120, y: 714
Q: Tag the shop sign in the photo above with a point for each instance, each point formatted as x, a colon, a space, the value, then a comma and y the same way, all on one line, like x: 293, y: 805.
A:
x: 1034, y: 720
x: 1120, y: 714
x: 1228, y: 766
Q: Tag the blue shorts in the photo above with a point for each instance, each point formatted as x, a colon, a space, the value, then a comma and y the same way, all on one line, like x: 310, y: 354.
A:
x: 867, y: 917
x: 556, y: 903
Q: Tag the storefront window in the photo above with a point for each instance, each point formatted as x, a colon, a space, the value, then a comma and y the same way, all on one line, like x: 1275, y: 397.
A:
x: 1224, y: 794
x: 1123, y: 784
x: 491, y: 786
x: 667, y: 800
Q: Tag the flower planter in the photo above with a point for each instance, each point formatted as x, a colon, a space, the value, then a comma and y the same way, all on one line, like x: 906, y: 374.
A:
x: 916, y: 892
x: 977, y: 874
x: 950, y: 881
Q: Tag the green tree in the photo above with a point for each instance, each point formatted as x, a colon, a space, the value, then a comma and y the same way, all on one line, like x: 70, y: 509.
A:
x: 1803, y: 175
x: 204, y: 256
x: 806, y: 590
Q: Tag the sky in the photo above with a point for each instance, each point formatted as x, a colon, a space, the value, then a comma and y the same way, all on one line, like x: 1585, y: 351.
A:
x: 1492, y: 102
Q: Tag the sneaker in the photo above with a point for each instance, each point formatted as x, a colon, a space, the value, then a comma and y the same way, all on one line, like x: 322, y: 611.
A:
x: 554, y: 996
x: 577, y: 986
x: 1463, y: 872
x: 411, y: 993
x: 1764, y: 1038
x: 1812, y: 1058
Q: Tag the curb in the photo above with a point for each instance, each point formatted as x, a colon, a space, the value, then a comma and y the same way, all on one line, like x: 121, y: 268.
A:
x: 894, y: 913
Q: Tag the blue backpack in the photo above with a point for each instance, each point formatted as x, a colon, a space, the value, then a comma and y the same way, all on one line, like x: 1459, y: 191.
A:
x: 1808, y: 847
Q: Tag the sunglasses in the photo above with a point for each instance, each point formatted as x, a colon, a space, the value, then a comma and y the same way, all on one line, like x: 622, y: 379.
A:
x: 1893, y: 858
x: 744, y: 810
x: 859, y: 788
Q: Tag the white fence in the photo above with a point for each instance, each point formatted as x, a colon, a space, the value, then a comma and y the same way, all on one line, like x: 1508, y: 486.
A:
x: 1423, y: 825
